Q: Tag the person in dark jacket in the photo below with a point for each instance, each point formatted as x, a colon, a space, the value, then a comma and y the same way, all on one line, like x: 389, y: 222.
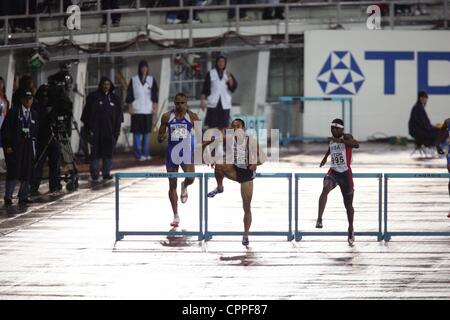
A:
x: 47, y: 144
x: 420, y: 127
x: 19, y: 132
x: 102, y: 116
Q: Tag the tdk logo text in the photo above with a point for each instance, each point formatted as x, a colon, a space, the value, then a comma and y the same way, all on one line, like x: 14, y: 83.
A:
x: 333, y: 81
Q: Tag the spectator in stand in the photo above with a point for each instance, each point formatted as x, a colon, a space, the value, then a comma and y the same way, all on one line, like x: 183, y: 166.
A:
x: 275, y: 12
x: 115, y: 17
x: 242, y: 12
x: 182, y: 16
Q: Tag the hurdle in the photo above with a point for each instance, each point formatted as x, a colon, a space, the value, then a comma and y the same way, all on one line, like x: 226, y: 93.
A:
x: 284, y: 111
x: 299, y: 234
x: 289, y: 234
x: 387, y: 176
x: 121, y: 175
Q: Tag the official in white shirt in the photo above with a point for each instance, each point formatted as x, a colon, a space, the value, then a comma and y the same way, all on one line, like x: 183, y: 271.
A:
x: 142, y: 100
x: 216, y: 95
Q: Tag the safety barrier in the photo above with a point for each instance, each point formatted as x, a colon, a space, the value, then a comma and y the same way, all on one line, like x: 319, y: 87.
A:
x: 387, y: 176
x: 289, y: 234
x: 299, y: 234
x: 121, y: 233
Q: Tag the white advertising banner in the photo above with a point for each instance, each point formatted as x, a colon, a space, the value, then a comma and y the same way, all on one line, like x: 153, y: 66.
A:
x: 382, y: 71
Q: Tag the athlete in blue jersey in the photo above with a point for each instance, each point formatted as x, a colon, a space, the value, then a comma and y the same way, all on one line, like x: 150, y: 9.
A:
x: 178, y: 126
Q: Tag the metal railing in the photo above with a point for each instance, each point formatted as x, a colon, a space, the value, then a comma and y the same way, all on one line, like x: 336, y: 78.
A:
x: 337, y: 7
x: 285, y: 114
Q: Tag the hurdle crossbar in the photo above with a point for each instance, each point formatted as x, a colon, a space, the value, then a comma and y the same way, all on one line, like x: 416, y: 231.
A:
x: 299, y: 234
x: 120, y: 175
x: 387, y: 176
x: 289, y: 234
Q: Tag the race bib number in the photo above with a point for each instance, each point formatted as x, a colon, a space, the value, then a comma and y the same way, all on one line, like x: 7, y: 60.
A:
x: 337, y: 159
x: 179, y: 131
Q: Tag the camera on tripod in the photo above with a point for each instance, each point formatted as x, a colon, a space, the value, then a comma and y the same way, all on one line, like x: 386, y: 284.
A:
x: 59, y: 105
x: 54, y: 96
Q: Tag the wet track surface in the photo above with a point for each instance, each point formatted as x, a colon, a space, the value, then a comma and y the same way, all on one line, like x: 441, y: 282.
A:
x: 63, y: 246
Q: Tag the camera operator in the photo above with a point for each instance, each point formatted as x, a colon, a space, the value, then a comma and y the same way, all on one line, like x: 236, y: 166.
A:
x: 19, y: 132
x: 54, y: 109
x: 102, y: 117
x: 47, y: 144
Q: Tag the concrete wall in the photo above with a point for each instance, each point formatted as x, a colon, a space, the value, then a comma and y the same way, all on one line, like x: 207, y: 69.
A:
x: 251, y: 70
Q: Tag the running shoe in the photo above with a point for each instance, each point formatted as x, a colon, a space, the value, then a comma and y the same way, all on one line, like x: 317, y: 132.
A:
x: 213, y: 193
x: 245, y: 241
x: 176, y: 221
x: 319, y: 224
x: 351, y: 238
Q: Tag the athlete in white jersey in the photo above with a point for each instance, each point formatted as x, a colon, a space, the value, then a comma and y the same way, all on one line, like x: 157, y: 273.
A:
x: 340, y: 173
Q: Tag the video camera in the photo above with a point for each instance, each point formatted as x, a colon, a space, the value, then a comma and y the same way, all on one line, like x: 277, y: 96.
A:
x: 57, y: 100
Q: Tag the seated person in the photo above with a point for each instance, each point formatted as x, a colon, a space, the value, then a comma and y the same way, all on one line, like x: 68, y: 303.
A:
x: 420, y: 127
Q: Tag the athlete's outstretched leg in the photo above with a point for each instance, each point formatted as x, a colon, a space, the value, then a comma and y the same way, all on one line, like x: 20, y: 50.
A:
x: 220, y: 172
x: 328, y: 185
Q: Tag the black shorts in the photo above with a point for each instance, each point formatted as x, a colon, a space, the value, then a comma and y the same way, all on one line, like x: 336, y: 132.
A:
x: 244, y: 175
x: 343, y: 179
x: 217, y: 117
x: 141, y: 123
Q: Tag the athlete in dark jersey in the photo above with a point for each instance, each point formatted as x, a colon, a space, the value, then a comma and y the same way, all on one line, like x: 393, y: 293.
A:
x: 245, y: 158
x: 340, y: 173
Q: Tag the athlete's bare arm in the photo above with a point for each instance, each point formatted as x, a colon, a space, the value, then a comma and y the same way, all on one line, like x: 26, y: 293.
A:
x: 324, y: 160
x: 350, y: 141
x: 347, y: 140
x: 163, y: 127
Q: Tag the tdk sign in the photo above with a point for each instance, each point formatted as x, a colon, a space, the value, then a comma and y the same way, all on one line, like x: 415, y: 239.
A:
x: 334, y: 80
